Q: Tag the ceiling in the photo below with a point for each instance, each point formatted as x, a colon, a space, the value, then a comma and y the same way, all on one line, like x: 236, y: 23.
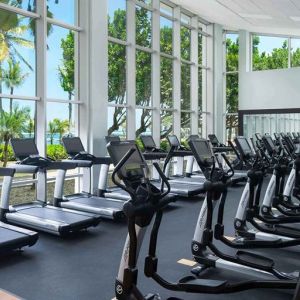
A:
x: 269, y: 16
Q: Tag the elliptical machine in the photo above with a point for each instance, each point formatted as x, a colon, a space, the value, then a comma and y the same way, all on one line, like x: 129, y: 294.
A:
x: 147, y: 202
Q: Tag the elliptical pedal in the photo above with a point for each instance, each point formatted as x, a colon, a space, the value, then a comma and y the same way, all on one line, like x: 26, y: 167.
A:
x: 253, y: 260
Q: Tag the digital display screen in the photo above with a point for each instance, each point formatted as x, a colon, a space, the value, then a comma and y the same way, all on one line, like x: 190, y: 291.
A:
x: 117, y: 150
x: 173, y: 140
x: 202, y: 149
x: 148, y: 141
x: 24, y: 147
x: 245, y: 147
x: 112, y: 138
x: 73, y: 145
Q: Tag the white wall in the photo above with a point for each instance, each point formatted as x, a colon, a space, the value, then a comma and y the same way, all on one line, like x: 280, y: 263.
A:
x: 272, y: 89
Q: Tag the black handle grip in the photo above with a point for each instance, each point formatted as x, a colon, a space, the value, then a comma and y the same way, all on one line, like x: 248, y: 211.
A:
x: 164, y: 180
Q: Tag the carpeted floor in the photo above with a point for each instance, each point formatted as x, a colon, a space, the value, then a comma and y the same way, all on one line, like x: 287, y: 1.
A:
x: 84, y: 266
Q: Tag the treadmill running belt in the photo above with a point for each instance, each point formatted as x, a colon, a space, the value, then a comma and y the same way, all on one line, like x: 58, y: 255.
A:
x: 96, y: 202
x: 57, y: 215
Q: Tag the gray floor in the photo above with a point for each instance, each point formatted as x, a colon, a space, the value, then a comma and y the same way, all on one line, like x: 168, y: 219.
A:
x: 84, y: 266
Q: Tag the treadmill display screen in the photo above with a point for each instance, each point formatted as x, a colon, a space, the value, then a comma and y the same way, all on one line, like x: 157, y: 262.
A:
x: 132, y: 168
x: 213, y: 139
x: 245, y: 147
x: 73, y: 145
x: 148, y: 141
x: 112, y: 138
x: 24, y: 147
x: 173, y: 140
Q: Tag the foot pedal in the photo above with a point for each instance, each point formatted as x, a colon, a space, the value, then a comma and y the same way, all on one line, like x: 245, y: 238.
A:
x: 255, y: 260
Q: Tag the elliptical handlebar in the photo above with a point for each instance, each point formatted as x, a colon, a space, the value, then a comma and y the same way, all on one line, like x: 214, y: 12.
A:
x: 230, y: 172
x: 164, y: 180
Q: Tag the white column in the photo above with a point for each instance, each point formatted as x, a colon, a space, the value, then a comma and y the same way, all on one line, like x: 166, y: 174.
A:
x: 41, y: 77
x: 209, y: 117
x: 130, y: 70
x: 194, y: 76
x: 219, y: 108
x: 177, y: 72
x: 98, y: 79
x: 156, y: 72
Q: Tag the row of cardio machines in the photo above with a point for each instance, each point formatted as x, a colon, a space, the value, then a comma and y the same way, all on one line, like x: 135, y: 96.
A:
x: 146, y: 207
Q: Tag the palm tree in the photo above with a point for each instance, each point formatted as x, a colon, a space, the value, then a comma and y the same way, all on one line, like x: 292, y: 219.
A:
x: 13, y: 78
x: 62, y: 127
x: 12, y: 125
x: 52, y: 130
x: 30, y: 127
x: 11, y: 37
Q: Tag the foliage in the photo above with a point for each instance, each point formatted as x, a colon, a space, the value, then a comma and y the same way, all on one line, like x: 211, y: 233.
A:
x: 13, y: 124
x: 56, y: 152
x: 57, y: 126
x: 9, y: 153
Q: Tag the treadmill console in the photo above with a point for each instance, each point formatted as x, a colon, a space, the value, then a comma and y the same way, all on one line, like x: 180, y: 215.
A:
x: 73, y: 145
x: 214, y: 140
x: 148, y: 142
x: 202, y: 152
x: 269, y: 144
x: 24, y: 148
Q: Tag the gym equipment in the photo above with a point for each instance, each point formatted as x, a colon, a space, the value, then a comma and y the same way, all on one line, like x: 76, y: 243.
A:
x: 250, y: 211
x: 38, y: 214
x: 146, y: 202
x: 204, y: 249
x: 85, y: 200
x: 13, y: 237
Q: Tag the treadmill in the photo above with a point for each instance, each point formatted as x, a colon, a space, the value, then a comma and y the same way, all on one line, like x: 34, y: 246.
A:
x: 12, y: 237
x: 38, y: 214
x: 108, y: 208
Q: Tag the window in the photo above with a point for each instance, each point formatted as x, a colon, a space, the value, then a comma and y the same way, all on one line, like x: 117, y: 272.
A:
x: 295, y: 52
x: 165, y: 9
x: 185, y: 125
x: 143, y: 27
x: 232, y: 84
x: 185, y: 34
x: 17, y: 55
x: 185, y: 87
x: 61, y: 63
x: 269, y: 52
x: 185, y: 19
x: 166, y: 36
x: 117, y: 19
x: 116, y: 73
x: 57, y: 10
x: 166, y: 125
x: 117, y: 121
x: 28, y: 5
x: 143, y: 78
x: 166, y: 82
x: 143, y: 122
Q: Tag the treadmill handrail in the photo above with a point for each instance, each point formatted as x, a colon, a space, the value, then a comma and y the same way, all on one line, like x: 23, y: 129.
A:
x: 25, y: 169
x: 7, y: 172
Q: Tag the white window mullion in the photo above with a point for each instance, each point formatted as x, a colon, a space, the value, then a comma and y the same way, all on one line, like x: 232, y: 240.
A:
x: 177, y: 73
x: 131, y: 70
x: 194, y: 76
x: 41, y: 76
x: 156, y: 73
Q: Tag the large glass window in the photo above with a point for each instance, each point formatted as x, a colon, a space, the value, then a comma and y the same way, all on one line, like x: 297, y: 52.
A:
x: 185, y: 34
x: 185, y: 86
x: 143, y: 78
x: 62, y: 10
x: 166, y: 125
x: 116, y: 73
x: 166, y: 82
x: 143, y: 27
x: 269, y: 52
x: 117, y: 19
x: 232, y: 84
x: 116, y: 125
x: 28, y: 5
x: 166, y: 36
x: 61, y: 63
x: 143, y: 122
x: 295, y: 52
x: 17, y: 55
x: 167, y: 10
x: 185, y: 129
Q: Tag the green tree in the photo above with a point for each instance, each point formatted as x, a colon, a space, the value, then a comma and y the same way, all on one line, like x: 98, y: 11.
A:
x: 52, y: 130
x: 67, y: 69
x: 13, y: 78
x: 30, y: 127
x: 61, y: 127
x: 12, y: 125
